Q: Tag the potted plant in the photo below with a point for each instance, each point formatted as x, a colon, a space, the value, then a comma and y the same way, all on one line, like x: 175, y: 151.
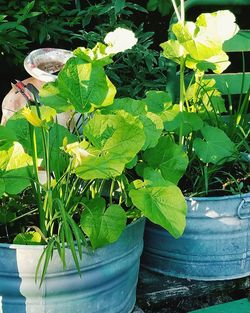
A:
x: 71, y: 209
x: 215, y: 138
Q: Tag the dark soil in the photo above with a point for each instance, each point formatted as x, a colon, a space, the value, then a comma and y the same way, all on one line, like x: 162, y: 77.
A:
x: 188, y: 304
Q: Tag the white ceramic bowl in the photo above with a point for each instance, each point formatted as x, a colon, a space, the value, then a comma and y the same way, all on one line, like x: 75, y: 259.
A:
x: 43, y: 63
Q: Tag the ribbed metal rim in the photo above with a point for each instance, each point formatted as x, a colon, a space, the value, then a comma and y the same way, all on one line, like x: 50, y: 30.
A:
x: 239, y: 196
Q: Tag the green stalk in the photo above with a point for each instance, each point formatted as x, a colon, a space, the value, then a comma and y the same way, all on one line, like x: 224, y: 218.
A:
x: 47, y: 143
x: 182, y: 12
x: 182, y: 97
x: 176, y: 10
x: 111, y: 191
x: 71, y: 192
x: 206, y: 178
x: 42, y: 217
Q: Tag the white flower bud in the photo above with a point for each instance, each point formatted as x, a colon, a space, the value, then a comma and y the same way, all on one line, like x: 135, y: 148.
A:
x: 119, y: 40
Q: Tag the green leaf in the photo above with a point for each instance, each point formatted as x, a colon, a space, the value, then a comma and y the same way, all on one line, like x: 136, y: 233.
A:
x: 127, y: 139
x: 16, y: 180
x: 153, y: 126
x: 2, y: 186
x: 201, y: 42
x: 24, y: 12
x: 19, y: 125
x: 96, y: 55
x: 5, y: 215
x: 163, y: 204
x: 165, y: 7
x: 57, y: 134
x: 115, y: 139
x: 17, y: 158
x: 152, y: 5
x: 169, y: 158
x: 173, y: 50
x: 152, y: 123
x: 205, y: 97
x: 158, y: 101
x: 173, y: 119
x: 13, y: 169
x: 7, y: 136
x: 50, y: 96
x: 28, y: 238
x: 83, y: 85
x: 196, y: 43
x: 215, y: 147
x: 119, y: 5
x: 100, y: 225
x: 132, y: 106
x: 22, y: 29
x: 103, y: 167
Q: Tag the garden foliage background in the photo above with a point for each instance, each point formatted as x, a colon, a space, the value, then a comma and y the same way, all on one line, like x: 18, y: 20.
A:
x: 67, y: 24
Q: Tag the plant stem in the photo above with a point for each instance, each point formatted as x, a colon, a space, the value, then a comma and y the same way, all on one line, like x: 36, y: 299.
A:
x: 42, y: 217
x: 176, y: 10
x: 71, y: 192
x: 182, y: 97
x: 182, y: 12
x: 111, y: 191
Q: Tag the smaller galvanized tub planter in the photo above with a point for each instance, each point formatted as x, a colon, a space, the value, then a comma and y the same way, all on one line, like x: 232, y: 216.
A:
x: 107, y: 283
x: 214, y: 246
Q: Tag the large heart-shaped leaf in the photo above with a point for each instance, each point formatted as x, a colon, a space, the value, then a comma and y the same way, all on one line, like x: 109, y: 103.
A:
x: 152, y: 123
x: 218, y: 26
x: 100, y: 167
x: 114, y: 141
x: 162, y: 204
x: 215, y: 147
x: 101, y: 225
x: 169, y: 158
x: 83, y: 85
x: 201, y: 42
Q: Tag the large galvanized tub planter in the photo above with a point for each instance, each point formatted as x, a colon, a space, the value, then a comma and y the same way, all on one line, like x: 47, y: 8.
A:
x: 214, y: 246
x: 107, y: 283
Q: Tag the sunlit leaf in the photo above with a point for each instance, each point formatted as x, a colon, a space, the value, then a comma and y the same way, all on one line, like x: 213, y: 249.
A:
x: 101, y: 225
x: 162, y: 204
x: 218, y: 26
x: 114, y: 141
x: 82, y: 85
x: 215, y: 146
x: 28, y: 238
x: 173, y: 50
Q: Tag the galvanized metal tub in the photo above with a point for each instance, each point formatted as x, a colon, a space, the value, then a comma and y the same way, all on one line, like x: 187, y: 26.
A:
x: 214, y: 246
x: 107, y: 283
